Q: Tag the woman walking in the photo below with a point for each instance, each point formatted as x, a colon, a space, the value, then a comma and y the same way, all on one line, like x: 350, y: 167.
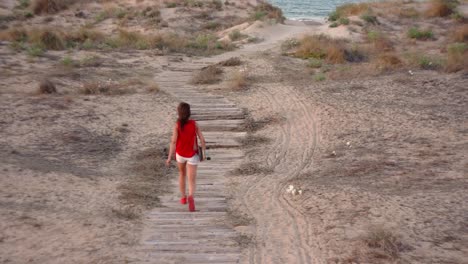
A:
x: 184, y: 142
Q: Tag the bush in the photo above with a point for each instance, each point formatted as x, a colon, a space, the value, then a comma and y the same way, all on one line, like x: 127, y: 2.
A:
x: 67, y: 61
x: 267, y: 10
x: 238, y: 81
x: 48, y: 39
x: 389, y: 61
x: 35, y: 51
x: 319, y: 77
x: 344, y: 21
x: 415, y: 33
x: 236, y: 35
x: 346, y: 10
x: 441, y: 8
x: 333, y: 16
x: 321, y: 47
x: 314, y: 63
x: 457, y: 57
x: 460, y: 34
x: 381, y: 43
x: 383, y: 240
x: 46, y: 87
x: 334, y: 25
x: 208, y: 75
x: 369, y: 18
x: 50, y: 6
x: 234, y: 61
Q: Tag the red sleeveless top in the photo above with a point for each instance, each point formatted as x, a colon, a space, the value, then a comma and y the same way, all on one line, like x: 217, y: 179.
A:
x: 186, y: 145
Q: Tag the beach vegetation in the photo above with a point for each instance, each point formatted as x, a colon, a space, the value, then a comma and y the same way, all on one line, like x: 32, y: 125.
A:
x: 46, y: 87
x: 208, y: 75
x: 416, y: 33
x: 50, y: 6
x: 238, y: 81
x: 379, y: 41
x: 370, y: 18
x: 236, y: 35
x: 388, y: 61
x: 67, y: 61
x: 266, y: 10
x: 383, y: 242
x: 457, y: 57
x: 334, y: 25
x: 234, y: 61
x: 346, y: 10
x: 408, y: 13
x: 344, y: 21
x: 321, y: 47
x: 314, y: 63
x: 441, y: 8
x: 320, y: 77
x: 460, y: 33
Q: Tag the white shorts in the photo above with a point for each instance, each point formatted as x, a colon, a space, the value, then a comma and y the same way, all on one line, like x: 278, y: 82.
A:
x: 194, y: 160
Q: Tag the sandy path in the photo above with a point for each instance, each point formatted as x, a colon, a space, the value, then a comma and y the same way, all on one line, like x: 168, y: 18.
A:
x: 172, y: 234
x: 282, y: 233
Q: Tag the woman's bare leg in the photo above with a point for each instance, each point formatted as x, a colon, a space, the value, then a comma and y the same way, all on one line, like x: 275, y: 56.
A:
x: 182, y: 172
x: 192, y: 176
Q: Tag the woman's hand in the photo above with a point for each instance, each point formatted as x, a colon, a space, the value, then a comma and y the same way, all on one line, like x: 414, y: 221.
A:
x: 168, y: 162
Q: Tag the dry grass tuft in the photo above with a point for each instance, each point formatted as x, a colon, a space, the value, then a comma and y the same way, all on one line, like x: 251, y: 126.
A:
x: 251, y: 169
x: 14, y: 34
x: 457, y: 57
x: 388, y: 61
x: 150, y: 179
x: 321, y: 47
x: 126, y: 213
x: 380, y: 42
x: 253, y: 140
x: 234, y: 61
x: 352, y: 9
x: 208, y: 75
x: 238, y: 81
x: 346, y: 10
x: 48, y: 38
x: 153, y: 88
x: 268, y: 10
x: 460, y: 33
x: 46, y: 87
x: 440, y: 8
x: 50, y: 6
x: 106, y: 88
x: 383, y: 242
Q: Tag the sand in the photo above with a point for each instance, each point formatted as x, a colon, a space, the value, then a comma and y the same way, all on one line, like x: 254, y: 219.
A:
x: 378, y: 152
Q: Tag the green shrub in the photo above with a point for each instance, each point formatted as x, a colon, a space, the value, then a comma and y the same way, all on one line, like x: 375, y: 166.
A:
x: 333, y: 16
x: 415, y: 33
x: 319, y: 77
x: 259, y: 15
x: 171, y: 4
x: 314, y: 63
x: 369, y: 18
x: 429, y: 63
x: 23, y: 4
x: 334, y: 25
x: 35, y: 51
x: 344, y: 21
x: 68, y: 61
x: 236, y: 35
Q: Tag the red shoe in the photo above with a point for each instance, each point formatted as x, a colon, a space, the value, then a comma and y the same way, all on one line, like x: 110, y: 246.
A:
x: 191, y: 204
x: 183, y: 200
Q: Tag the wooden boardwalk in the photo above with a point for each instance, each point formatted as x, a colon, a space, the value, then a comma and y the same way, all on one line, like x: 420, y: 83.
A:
x: 173, y: 234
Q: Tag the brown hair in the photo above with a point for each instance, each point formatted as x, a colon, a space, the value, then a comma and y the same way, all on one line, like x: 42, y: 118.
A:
x: 183, y: 110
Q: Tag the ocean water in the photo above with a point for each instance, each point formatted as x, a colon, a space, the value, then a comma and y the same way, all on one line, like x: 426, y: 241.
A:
x: 308, y: 9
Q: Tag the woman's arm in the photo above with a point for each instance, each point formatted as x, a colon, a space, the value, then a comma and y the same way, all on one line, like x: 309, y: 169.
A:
x: 172, y: 146
x: 202, y: 138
